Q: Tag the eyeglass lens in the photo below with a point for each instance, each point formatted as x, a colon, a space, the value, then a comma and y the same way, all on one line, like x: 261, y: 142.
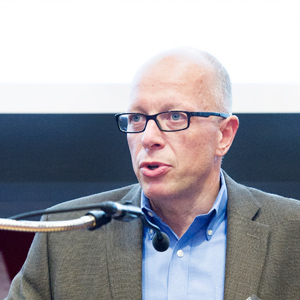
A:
x: 169, y: 121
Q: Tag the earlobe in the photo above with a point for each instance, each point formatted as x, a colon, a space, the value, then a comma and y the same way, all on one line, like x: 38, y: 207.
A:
x: 227, y: 133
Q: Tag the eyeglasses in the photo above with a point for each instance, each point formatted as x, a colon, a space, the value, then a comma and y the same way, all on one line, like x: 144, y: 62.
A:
x: 166, y: 121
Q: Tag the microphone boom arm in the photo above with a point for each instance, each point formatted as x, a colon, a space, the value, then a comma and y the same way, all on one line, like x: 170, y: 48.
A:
x: 92, y: 220
x: 87, y: 221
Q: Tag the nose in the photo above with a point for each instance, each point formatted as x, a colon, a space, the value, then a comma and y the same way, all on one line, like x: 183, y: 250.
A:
x: 152, y: 136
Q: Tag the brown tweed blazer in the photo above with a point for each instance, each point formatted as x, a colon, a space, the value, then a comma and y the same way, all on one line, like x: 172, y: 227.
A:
x: 263, y: 252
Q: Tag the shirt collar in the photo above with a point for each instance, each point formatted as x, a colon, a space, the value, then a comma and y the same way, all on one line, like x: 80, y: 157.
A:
x: 216, y: 214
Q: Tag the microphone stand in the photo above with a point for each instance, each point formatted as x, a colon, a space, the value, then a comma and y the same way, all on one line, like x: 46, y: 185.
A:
x: 92, y: 220
x: 49, y: 226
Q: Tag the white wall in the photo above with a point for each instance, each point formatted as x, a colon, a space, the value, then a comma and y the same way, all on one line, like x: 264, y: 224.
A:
x: 80, y: 55
x: 112, y: 98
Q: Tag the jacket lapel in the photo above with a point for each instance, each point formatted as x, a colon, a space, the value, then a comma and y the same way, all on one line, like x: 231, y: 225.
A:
x: 124, y: 254
x: 246, y: 243
x: 245, y: 254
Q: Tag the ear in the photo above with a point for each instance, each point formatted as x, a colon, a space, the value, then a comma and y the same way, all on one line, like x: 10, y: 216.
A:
x: 228, y: 130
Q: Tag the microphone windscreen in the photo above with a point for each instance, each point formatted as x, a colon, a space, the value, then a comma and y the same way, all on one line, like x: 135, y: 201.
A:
x: 161, y: 244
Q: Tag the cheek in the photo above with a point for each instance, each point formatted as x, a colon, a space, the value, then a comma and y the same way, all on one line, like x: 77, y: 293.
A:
x: 131, y: 141
x: 186, y: 149
x: 199, y: 147
x: 133, y: 148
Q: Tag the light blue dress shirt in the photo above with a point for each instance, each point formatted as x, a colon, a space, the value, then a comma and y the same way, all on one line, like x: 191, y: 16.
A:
x: 194, y: 266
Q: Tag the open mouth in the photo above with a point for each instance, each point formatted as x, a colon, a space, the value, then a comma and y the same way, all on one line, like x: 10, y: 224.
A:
x: 152, y: 167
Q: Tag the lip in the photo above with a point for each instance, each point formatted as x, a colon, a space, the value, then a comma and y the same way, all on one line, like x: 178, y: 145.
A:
x: 158, y: 168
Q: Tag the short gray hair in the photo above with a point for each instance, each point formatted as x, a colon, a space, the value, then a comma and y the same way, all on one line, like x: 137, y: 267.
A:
x: 221, y: 90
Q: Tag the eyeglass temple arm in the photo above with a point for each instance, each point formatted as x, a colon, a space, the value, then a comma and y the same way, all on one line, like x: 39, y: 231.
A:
x: 208, y: 114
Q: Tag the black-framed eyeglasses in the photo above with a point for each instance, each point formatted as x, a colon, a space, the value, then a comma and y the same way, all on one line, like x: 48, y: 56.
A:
x: 166, y: 121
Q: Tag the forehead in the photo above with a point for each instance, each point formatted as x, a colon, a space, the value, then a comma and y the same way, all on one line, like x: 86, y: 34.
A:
x: 173, y: 83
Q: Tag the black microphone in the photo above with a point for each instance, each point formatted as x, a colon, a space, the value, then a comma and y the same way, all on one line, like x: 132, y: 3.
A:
x: 160, y: 241
x: 123, y: 212
x: 126, y: 212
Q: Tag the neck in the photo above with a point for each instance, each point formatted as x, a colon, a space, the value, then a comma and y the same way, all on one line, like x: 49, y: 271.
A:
x: 179, y: 213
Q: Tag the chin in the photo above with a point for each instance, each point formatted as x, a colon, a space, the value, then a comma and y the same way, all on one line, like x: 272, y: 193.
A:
x: 156, y: 191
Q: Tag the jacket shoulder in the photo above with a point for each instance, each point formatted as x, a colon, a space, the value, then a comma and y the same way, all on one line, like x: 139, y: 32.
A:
x: 281, y: 207
x: 259, y: 205
x: 128, y: 193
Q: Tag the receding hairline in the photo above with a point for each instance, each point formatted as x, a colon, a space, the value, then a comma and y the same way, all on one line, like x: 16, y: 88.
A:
x: 189, y: 55
x: 220, y: 90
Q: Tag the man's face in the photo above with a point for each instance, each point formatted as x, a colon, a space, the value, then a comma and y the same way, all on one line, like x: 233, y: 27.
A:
x: 174, y: 164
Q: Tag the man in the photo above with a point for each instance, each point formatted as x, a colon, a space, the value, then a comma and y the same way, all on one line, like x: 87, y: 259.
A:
x: 227, y: 241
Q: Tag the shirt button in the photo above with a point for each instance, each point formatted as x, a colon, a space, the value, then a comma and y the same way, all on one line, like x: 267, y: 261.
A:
x: 209, y: 232
x: 150, y: 214
x: 180, y: 253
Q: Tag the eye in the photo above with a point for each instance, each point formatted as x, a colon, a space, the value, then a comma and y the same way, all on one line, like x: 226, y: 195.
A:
x: 135, y: 118
x: 175, y: 116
